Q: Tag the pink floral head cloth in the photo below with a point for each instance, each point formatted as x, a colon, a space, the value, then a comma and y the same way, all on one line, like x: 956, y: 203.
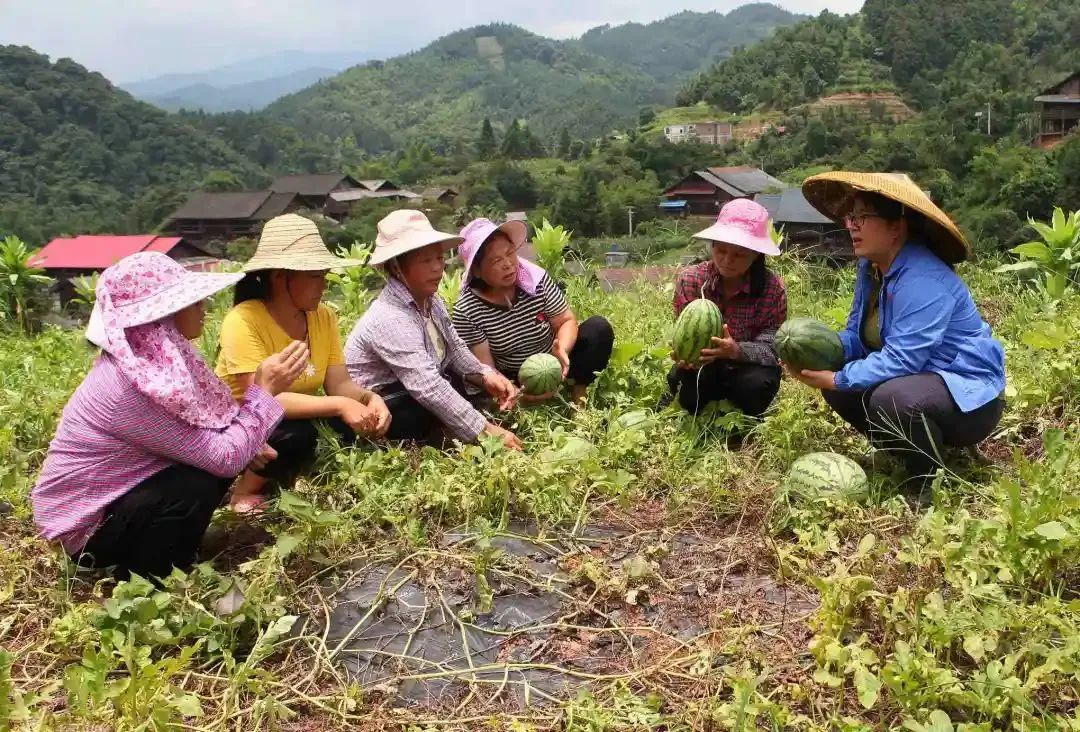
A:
x: 131, y: 323
x: 479, y: 231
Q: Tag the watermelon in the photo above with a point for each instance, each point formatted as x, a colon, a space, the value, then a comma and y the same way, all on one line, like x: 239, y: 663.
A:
x: 698, y: 323
x: 826, y: 476
x: 804, y: 343
x: 540, y: 374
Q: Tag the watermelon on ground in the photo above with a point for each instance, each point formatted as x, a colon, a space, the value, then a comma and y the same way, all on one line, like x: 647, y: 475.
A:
x: 698, y: 323
x: 540, y: 374
x: 804, y: 343
x: 822, y: 476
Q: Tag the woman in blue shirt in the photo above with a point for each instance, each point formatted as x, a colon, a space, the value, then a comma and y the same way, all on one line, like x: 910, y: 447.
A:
x: 922, y: 370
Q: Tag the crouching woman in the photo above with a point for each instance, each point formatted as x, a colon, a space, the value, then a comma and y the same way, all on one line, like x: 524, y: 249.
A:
x: 511, y: 309
x: 150, y: 441
x: 741, y: 366
x: 405, y: 349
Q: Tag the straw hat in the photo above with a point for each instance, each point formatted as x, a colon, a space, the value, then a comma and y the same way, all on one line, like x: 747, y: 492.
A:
x: 292, y: 242
x: 405, y: 230
x: 830, y: 194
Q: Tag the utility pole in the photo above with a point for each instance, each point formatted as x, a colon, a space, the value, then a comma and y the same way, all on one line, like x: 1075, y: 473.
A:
x: 988, y: 119
x: 630, y: 216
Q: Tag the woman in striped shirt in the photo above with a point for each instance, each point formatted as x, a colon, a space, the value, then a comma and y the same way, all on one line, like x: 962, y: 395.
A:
x: 510, y: 309
x: 150, y: 441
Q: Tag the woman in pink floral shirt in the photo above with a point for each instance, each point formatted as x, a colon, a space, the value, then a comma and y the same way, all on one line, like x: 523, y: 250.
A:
x: 150, y: 441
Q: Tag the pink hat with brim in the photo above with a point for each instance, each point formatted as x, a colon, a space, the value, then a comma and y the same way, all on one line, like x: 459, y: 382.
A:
x: 744, y: 223
x: 478, y: 231
x: 146, y: 287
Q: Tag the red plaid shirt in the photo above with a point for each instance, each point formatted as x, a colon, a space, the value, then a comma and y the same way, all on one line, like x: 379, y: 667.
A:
x: 752, y: 321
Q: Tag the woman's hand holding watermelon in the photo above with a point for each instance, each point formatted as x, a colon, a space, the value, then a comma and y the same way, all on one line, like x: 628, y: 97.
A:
x: 821, y: 380
x: 724, y: 349
x: 564, y: 360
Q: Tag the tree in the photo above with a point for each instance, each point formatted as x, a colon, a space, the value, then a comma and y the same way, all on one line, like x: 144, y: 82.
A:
x: 516, y: 185
x: 486, y: 145
x: 562, y: 150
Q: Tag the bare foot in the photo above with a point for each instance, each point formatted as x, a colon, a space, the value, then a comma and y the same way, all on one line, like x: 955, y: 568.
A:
x: 251, y: 503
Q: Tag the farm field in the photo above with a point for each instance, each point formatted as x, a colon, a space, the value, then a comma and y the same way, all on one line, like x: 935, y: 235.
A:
x: 630, y: 570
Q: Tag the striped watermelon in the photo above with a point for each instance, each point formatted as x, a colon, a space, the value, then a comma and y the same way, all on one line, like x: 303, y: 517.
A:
x: 804, y: 343
x: 540, y: 374
x: 698, y: 323
x: 826, y: 475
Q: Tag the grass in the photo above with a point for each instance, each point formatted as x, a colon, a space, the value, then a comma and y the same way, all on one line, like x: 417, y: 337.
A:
x: 710, y: 605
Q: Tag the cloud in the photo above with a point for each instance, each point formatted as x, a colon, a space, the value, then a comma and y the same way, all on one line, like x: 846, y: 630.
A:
x: 136, y: 39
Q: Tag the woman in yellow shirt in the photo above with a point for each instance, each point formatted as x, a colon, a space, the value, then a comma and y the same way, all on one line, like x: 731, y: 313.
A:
x: 280, y: 301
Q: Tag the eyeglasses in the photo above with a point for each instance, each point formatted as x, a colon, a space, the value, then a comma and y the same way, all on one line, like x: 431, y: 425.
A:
x: 856, y: 221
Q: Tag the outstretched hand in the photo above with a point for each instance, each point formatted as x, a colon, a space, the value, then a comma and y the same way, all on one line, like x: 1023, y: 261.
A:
x: 723, y: 349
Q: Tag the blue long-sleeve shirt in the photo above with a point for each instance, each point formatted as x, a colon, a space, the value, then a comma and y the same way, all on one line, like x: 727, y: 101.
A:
x: 929, y: 324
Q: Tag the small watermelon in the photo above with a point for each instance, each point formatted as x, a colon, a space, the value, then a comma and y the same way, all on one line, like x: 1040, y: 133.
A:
x: 804, y: 343
x: 698, y: 323
x: 826, y: 476
x: 540, y: 374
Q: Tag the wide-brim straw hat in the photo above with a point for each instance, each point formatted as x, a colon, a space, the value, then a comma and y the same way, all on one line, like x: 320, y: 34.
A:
x: 403, y: 231
x: 831, y: 193
x: 293, y: 243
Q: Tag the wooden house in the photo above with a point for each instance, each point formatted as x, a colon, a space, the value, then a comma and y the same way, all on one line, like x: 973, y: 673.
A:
x: 314, y: 190
x: 705, y: 191
x: 223, y: 217
x: 1058, y: 111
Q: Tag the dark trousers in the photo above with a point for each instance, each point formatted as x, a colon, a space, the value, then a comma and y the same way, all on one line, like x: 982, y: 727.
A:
x: 592, y: 351
x: 915, y: 416
x: 411, y: 421
x: 158, y: 524
x: 295, y: 441
x: 750, y: 387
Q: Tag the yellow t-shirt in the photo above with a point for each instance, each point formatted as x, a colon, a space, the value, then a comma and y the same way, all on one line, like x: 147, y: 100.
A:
x: 249, y: 335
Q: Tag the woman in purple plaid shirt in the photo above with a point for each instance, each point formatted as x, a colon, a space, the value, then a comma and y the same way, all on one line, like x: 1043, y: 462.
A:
x: 742, y: 366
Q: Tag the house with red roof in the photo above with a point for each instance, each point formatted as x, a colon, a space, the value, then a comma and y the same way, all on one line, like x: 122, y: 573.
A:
x: 67, y: 258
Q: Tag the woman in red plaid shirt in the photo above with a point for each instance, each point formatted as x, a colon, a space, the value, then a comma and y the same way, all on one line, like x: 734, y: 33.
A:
x: 742, y: 366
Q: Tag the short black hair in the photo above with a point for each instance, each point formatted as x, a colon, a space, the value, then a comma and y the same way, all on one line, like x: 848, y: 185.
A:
x: 885, y: 207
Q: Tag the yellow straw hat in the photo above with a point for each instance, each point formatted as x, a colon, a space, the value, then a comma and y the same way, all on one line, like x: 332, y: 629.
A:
x: 830, y: 193
x: 292, y: 242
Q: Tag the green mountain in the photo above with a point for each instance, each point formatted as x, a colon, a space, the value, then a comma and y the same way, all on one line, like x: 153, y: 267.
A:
x: 672, y: 49
x: 79, y: 155
x: 442, y: 93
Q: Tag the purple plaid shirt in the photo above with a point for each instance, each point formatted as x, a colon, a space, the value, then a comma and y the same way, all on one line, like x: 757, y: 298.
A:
x: 112, y: 437
x: 390, y: 344
x: 752, y: 321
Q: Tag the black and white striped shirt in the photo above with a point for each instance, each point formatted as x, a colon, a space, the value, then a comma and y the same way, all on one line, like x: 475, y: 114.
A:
x: 513, y: 332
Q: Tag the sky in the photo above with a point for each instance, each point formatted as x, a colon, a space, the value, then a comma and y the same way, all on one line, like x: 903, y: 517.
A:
x: 129, y: 40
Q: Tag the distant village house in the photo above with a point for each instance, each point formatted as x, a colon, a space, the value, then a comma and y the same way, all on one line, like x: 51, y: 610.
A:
x: 705, y: 191
x: 1059, y: 112
x: 805, y: 228
x: 65, y: 259
x: 223, y: 217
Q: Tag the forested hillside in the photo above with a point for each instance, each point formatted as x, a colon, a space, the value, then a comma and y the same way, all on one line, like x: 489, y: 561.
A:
x: 949, y: 61
x: 78, y: 155
x: 671, y: 49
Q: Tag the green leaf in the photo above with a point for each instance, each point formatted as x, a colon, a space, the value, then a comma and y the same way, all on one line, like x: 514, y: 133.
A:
x: 287, y: 543
x: 1026, y: 265
x: 1034, y: 250
x: 867, y: 685
x: 187, y: 704
x: 973, y: 646
x: 940, y: 722
x: 1044, y: 336
x: 1052, y: 530
x: 624, y: 353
